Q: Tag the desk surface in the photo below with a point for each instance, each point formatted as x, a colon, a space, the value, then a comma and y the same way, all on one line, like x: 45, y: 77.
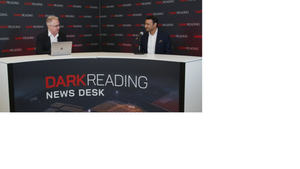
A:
x: 170, y: 58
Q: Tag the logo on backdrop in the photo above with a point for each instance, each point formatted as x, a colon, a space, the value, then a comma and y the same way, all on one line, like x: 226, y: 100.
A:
x: 74, y: 26
x: 133, y: 35
x: 125, y: 5
x: 31, y: 49
x: 116, y: 34
x: 92, y: 44
x: 140, y: 25
x: 189, y: 24
x: 10, y: 26
x: 67, y: 16
x: 124, y: 25
x: 92, y: 7
x: 109, y: 25
x: 166, y: 24
x: 125, y: 44
x: 91, y: 26
x: 86, y: 35
x: 143, y: 3
x: 10, y: 2
x: 109, y: 6
x: 165, y: 2
x: 11, y: 50
x: 4, y: 14
x: 85, y: 16
x: 74, y: 6
x: 77, y: 45
x: 56, y: 5
x: 44, y: 15
x: 179, y: 13
x: 156, y: 14
x: 135, y: 14
x: 23, y: 15
x: 117, y: 16
x: 179, y: 36
x: 70, y: 36
x: 35, y: 26
x: 33, y: 4
x: 25, y: 38
x: 188, y: 48
x: 4, y: 38
x: 109, y: 44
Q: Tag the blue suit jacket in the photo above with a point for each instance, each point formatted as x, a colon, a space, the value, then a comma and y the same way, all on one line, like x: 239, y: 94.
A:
x: 163, y: 43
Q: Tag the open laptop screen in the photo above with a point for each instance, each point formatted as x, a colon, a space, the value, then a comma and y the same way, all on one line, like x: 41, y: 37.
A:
x: 61, y: 48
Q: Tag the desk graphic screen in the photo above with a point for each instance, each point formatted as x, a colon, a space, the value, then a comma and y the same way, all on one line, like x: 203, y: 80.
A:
x: 96, y: 85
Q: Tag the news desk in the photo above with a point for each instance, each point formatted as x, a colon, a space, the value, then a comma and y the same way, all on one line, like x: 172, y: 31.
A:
x: 101, y: 82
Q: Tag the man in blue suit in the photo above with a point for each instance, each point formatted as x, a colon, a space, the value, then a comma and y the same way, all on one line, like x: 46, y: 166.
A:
x: 156, y: 41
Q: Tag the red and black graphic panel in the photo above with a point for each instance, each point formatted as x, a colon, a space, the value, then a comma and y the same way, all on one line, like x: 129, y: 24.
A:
x: 97, y: 85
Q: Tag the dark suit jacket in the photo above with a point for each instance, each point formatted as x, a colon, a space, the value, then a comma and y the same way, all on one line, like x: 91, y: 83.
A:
x: 43, y: 43
x: 163, y: 43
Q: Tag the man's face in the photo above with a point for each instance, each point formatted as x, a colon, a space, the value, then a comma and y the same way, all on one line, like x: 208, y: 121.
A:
x: 149, y: 25
x: 54, y: 26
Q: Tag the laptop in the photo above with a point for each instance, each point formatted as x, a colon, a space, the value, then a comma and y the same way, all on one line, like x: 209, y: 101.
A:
x: 61, y: 48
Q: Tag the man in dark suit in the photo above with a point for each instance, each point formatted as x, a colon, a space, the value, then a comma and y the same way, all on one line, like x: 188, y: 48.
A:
x: 156, y: 41
x: 45, y: 39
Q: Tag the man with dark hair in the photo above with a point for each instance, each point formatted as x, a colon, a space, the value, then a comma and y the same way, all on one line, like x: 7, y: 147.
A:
x: 156, y: 41
x: 45, y: 39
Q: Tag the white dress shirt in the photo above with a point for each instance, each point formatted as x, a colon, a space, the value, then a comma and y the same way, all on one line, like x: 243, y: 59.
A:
x: 152, y: 42
x: 53, y: 38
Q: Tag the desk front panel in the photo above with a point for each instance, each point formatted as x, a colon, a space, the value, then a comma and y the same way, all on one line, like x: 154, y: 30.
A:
x: 96, y: 85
